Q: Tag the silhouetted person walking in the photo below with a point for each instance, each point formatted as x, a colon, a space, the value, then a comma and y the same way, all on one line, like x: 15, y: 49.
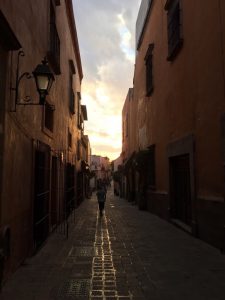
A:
x: 101, y: 195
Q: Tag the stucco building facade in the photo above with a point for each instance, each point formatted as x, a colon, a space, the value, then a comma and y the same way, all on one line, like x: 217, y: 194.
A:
x: 38, y: 143
x: 119, y: 181
x: 129, y: 144
x: 101, y: 169
x: 179, y: 99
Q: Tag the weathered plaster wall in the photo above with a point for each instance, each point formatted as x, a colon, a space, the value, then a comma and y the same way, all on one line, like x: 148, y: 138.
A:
x: 29, y: 20
x: 188, y: 94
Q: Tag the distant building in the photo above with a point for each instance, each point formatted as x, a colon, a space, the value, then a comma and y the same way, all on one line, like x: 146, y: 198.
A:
x: 129, y: 145
x: 38, y: 143
x: 174, y: 162
x: 101, y: 169
x: 83, y: 150
x: 119, y: 184
x: 116, y: 163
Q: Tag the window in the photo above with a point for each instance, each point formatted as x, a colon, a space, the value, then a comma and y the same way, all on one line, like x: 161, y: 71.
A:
x: 69, y: 139
x: 79, y: 117
x: 78, y: 150
x: 78, y: 111
x: 72, y: 98
x: 149, y: 74
x: 71, y: 95
x: 49, y: 116
x: 175, y: 40
x: 54, y: 42
x: 72, y: 102
x: 83, y: 116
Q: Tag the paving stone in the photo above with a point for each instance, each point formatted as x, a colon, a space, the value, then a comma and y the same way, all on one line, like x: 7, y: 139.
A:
x: 126, y: 254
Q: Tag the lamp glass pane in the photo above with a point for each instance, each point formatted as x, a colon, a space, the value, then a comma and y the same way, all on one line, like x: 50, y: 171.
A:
x: 49, y: 84
x: 42, y: 82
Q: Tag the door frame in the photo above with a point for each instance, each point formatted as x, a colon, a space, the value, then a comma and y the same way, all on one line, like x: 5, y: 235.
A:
x: 46, y: 151
x: 185, y: 145
x: 180, y: 171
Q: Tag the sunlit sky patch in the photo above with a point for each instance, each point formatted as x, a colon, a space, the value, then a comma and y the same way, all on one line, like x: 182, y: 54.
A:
x: 106, y: 33
x: 125, y: 36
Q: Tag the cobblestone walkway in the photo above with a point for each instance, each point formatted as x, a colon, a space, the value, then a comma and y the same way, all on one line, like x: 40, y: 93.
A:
x: 126, y: 254
x: 106, y: 281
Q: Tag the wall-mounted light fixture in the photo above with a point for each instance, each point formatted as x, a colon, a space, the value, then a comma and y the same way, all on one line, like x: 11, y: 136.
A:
x: 43, y: 79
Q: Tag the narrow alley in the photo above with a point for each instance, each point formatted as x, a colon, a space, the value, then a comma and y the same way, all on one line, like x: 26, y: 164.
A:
x: 126, y: 254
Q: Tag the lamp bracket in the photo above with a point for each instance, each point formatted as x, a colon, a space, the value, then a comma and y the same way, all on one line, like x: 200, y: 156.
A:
x: 27, y: 100
x: 28, y: 76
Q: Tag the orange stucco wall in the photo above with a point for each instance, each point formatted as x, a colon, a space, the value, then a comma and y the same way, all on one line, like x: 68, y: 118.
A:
x: 188, y: 96
x: 29, y: 20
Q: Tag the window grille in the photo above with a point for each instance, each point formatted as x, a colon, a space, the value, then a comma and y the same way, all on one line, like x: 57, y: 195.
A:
x: 174, y: 28
x: 54, y: 42
x: 149, y: 70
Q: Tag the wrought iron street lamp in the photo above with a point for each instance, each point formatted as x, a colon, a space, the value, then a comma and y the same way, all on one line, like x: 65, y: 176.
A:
x: 43, y: 79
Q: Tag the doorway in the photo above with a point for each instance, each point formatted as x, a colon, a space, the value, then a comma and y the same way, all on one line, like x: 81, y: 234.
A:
x: 54, y: 193
x: 181, y: 188
x: 41, y: 197
x: 69, y: 189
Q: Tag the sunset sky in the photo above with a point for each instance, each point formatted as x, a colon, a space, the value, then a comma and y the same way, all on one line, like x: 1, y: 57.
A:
x: 106, y: 34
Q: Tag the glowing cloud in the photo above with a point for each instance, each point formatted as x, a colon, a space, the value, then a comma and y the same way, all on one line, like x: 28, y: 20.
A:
x: 125, y: 36
x: 107, y: 51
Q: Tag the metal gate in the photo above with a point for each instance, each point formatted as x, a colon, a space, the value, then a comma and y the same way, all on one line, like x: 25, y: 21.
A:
x: 180, y: 188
